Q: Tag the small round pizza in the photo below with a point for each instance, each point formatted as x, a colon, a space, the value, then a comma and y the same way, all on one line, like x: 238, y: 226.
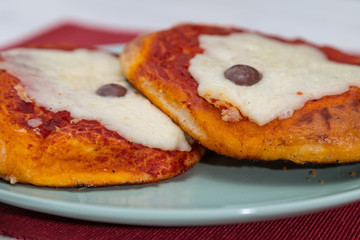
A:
x: 69, y: 118
x: 249, y: 95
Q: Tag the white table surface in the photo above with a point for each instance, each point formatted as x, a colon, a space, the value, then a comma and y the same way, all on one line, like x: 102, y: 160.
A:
x: 332, y: 22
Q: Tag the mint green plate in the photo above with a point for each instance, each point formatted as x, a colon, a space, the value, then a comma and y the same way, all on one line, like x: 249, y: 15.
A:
x: 218, y: 190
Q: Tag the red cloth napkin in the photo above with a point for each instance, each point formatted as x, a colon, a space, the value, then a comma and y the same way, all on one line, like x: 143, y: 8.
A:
x: 339, y: 223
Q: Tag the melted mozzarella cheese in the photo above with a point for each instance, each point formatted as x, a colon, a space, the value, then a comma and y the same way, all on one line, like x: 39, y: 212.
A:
x: 287, y: 70
x: 68, y: 80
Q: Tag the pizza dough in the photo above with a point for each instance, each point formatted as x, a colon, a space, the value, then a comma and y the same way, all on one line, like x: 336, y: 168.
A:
x: 70, y: 119
x: 322, y: 127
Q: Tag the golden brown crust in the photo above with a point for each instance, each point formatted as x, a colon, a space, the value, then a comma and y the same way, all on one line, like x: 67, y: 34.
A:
x: 323, y: 131
x: 67, y: 152
x: 133, y: 54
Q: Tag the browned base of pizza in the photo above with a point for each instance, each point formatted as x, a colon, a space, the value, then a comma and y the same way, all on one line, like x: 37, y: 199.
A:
x: 68, y: 152
x: 326, y: 130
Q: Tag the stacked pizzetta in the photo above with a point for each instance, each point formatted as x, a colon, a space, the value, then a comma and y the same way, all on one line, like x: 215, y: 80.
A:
x: 251, y: 96
x: 70, y: 118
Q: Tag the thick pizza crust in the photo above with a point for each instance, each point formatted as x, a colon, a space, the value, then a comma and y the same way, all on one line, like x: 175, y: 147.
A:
x: 67, y: 152
x: 323, y: 131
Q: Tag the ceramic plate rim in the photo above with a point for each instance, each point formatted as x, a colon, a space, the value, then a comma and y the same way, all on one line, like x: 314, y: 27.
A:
x: 181, y: 216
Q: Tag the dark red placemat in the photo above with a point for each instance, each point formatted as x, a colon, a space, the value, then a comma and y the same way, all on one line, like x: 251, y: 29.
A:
x: 77, y: 34
x: 339, y: 223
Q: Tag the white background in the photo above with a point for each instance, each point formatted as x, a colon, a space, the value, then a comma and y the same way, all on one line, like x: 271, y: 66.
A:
x: 333, y: 22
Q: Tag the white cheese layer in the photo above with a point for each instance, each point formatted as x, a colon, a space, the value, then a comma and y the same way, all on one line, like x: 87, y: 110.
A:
x: 292, y: 75
x: 68, y: 80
